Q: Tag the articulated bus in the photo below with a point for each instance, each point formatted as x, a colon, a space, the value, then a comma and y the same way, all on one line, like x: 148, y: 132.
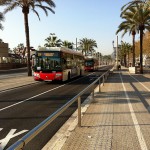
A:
x: 57, y: 63
x: 91, y: 63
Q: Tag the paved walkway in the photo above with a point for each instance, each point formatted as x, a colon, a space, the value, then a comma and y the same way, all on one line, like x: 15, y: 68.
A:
x: 15, y: 81
x: 118, y: 118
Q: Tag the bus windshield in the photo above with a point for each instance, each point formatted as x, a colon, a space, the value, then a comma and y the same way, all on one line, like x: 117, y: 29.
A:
x: 48, y: 62
x: 89, y: 63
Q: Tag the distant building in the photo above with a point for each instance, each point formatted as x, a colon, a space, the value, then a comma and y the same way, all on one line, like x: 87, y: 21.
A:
x: 10, y: 61
x: 3, y: 49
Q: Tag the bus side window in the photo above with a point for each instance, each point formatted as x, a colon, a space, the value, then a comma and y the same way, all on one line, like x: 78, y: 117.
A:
x: 64, y: 63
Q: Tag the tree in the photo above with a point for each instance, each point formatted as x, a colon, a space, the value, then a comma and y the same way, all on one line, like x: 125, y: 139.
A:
x: 142, y: 19
x: 129, y: 25
x: 146, y: 45
x: 1, y: 19
x: 67, y: 44
x: 133, y: 3
x: 26, y: 6
x: 53, y: 41
x: 107, y: 59
x: 93, y: 45
x: 87, y: 45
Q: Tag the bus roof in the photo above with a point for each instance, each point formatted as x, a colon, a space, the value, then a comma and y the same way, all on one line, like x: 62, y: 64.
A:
x: 61, y: 49
x: 90, y: 57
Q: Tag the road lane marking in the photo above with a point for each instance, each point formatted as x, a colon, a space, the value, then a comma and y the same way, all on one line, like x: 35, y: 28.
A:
x: 30, y: 98
x: 6, y: 90
x: 135, y: 121
x: 13, y: 88
x: 37, y: 95
x: 10, y: 135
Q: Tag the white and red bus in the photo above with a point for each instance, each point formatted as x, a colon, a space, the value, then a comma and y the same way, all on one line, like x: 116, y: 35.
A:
x: 57, y: 63
x: 91, y: 63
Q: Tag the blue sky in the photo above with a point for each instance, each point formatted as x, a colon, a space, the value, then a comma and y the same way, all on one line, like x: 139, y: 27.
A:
x: 97, y: 19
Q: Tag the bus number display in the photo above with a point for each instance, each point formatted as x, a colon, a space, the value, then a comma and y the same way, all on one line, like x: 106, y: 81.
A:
x: 48, y: 54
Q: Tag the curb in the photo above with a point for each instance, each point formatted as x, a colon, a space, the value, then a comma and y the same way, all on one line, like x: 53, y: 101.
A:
x: 9, y: 89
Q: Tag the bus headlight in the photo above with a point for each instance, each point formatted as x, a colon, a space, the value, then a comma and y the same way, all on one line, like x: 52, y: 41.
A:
x: 37, y: 75
x: 58, y: 75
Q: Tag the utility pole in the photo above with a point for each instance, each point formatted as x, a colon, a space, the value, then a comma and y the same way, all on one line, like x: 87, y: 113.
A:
x: 76, y: 43
x: 117, y: 54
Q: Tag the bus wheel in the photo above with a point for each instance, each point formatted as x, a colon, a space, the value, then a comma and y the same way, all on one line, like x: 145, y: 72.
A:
x: 69, y: 76
x: 80, y: 72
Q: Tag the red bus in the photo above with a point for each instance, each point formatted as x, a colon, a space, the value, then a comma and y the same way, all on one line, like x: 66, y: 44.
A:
x: 91, y: 63
x: 57, y: 63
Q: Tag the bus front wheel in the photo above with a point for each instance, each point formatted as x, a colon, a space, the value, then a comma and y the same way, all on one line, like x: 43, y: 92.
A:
x: 69, y: 76
x: 80, y: 72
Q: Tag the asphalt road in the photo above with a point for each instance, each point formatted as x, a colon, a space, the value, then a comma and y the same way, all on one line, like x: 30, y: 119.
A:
x: 24, y: 108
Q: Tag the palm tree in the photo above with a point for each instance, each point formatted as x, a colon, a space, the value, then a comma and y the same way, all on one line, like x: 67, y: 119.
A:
x: 26, y: 6
x: 53, y: 41
x: 84, y: 45
x: 67, y: 44
x: 1, y: 19
x: 107, y: 59
x: 123, y: 52
x: 133, y: 3
x: 93, y: 45
x: 87, y: 45
x: 129, y: 25
x: 142, y: 20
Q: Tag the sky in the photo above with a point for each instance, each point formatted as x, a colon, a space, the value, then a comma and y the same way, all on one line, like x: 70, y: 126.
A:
x: 96, y: 19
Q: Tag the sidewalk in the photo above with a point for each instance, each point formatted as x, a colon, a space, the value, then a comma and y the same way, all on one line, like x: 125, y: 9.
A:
x: 118, y: 118
x: 14, y: 82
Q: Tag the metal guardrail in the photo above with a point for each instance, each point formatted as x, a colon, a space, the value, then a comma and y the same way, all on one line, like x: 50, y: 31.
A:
x: 20, y: 144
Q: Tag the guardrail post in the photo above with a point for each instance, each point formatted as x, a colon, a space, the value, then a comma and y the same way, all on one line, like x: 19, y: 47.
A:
x: 79, y: 111
x: 93, y: 93
x: 99, y: 85
x: 107, y: 75
x: 103, y: 80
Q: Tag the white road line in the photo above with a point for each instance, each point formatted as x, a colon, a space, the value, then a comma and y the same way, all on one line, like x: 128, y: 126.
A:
x: 135, y: 121
x: 30, y: 98
x: 141, y: 83
x: 36, y: 96
x: 20, y: 86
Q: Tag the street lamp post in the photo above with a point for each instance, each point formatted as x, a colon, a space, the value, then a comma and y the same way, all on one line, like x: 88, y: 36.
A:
x: 99, y: 56
x: 116, y: 51
x: 76, y: 43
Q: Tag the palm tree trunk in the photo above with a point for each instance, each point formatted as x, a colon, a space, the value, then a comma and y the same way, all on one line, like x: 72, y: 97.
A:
x: 27, y: 43
x: 125, y: 63
x: 128, y: 59
x: 141, y: 51
x: 133, y: 42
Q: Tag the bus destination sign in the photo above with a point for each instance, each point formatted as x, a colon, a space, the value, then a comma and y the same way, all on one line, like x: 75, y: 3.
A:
x: 48, y: 54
